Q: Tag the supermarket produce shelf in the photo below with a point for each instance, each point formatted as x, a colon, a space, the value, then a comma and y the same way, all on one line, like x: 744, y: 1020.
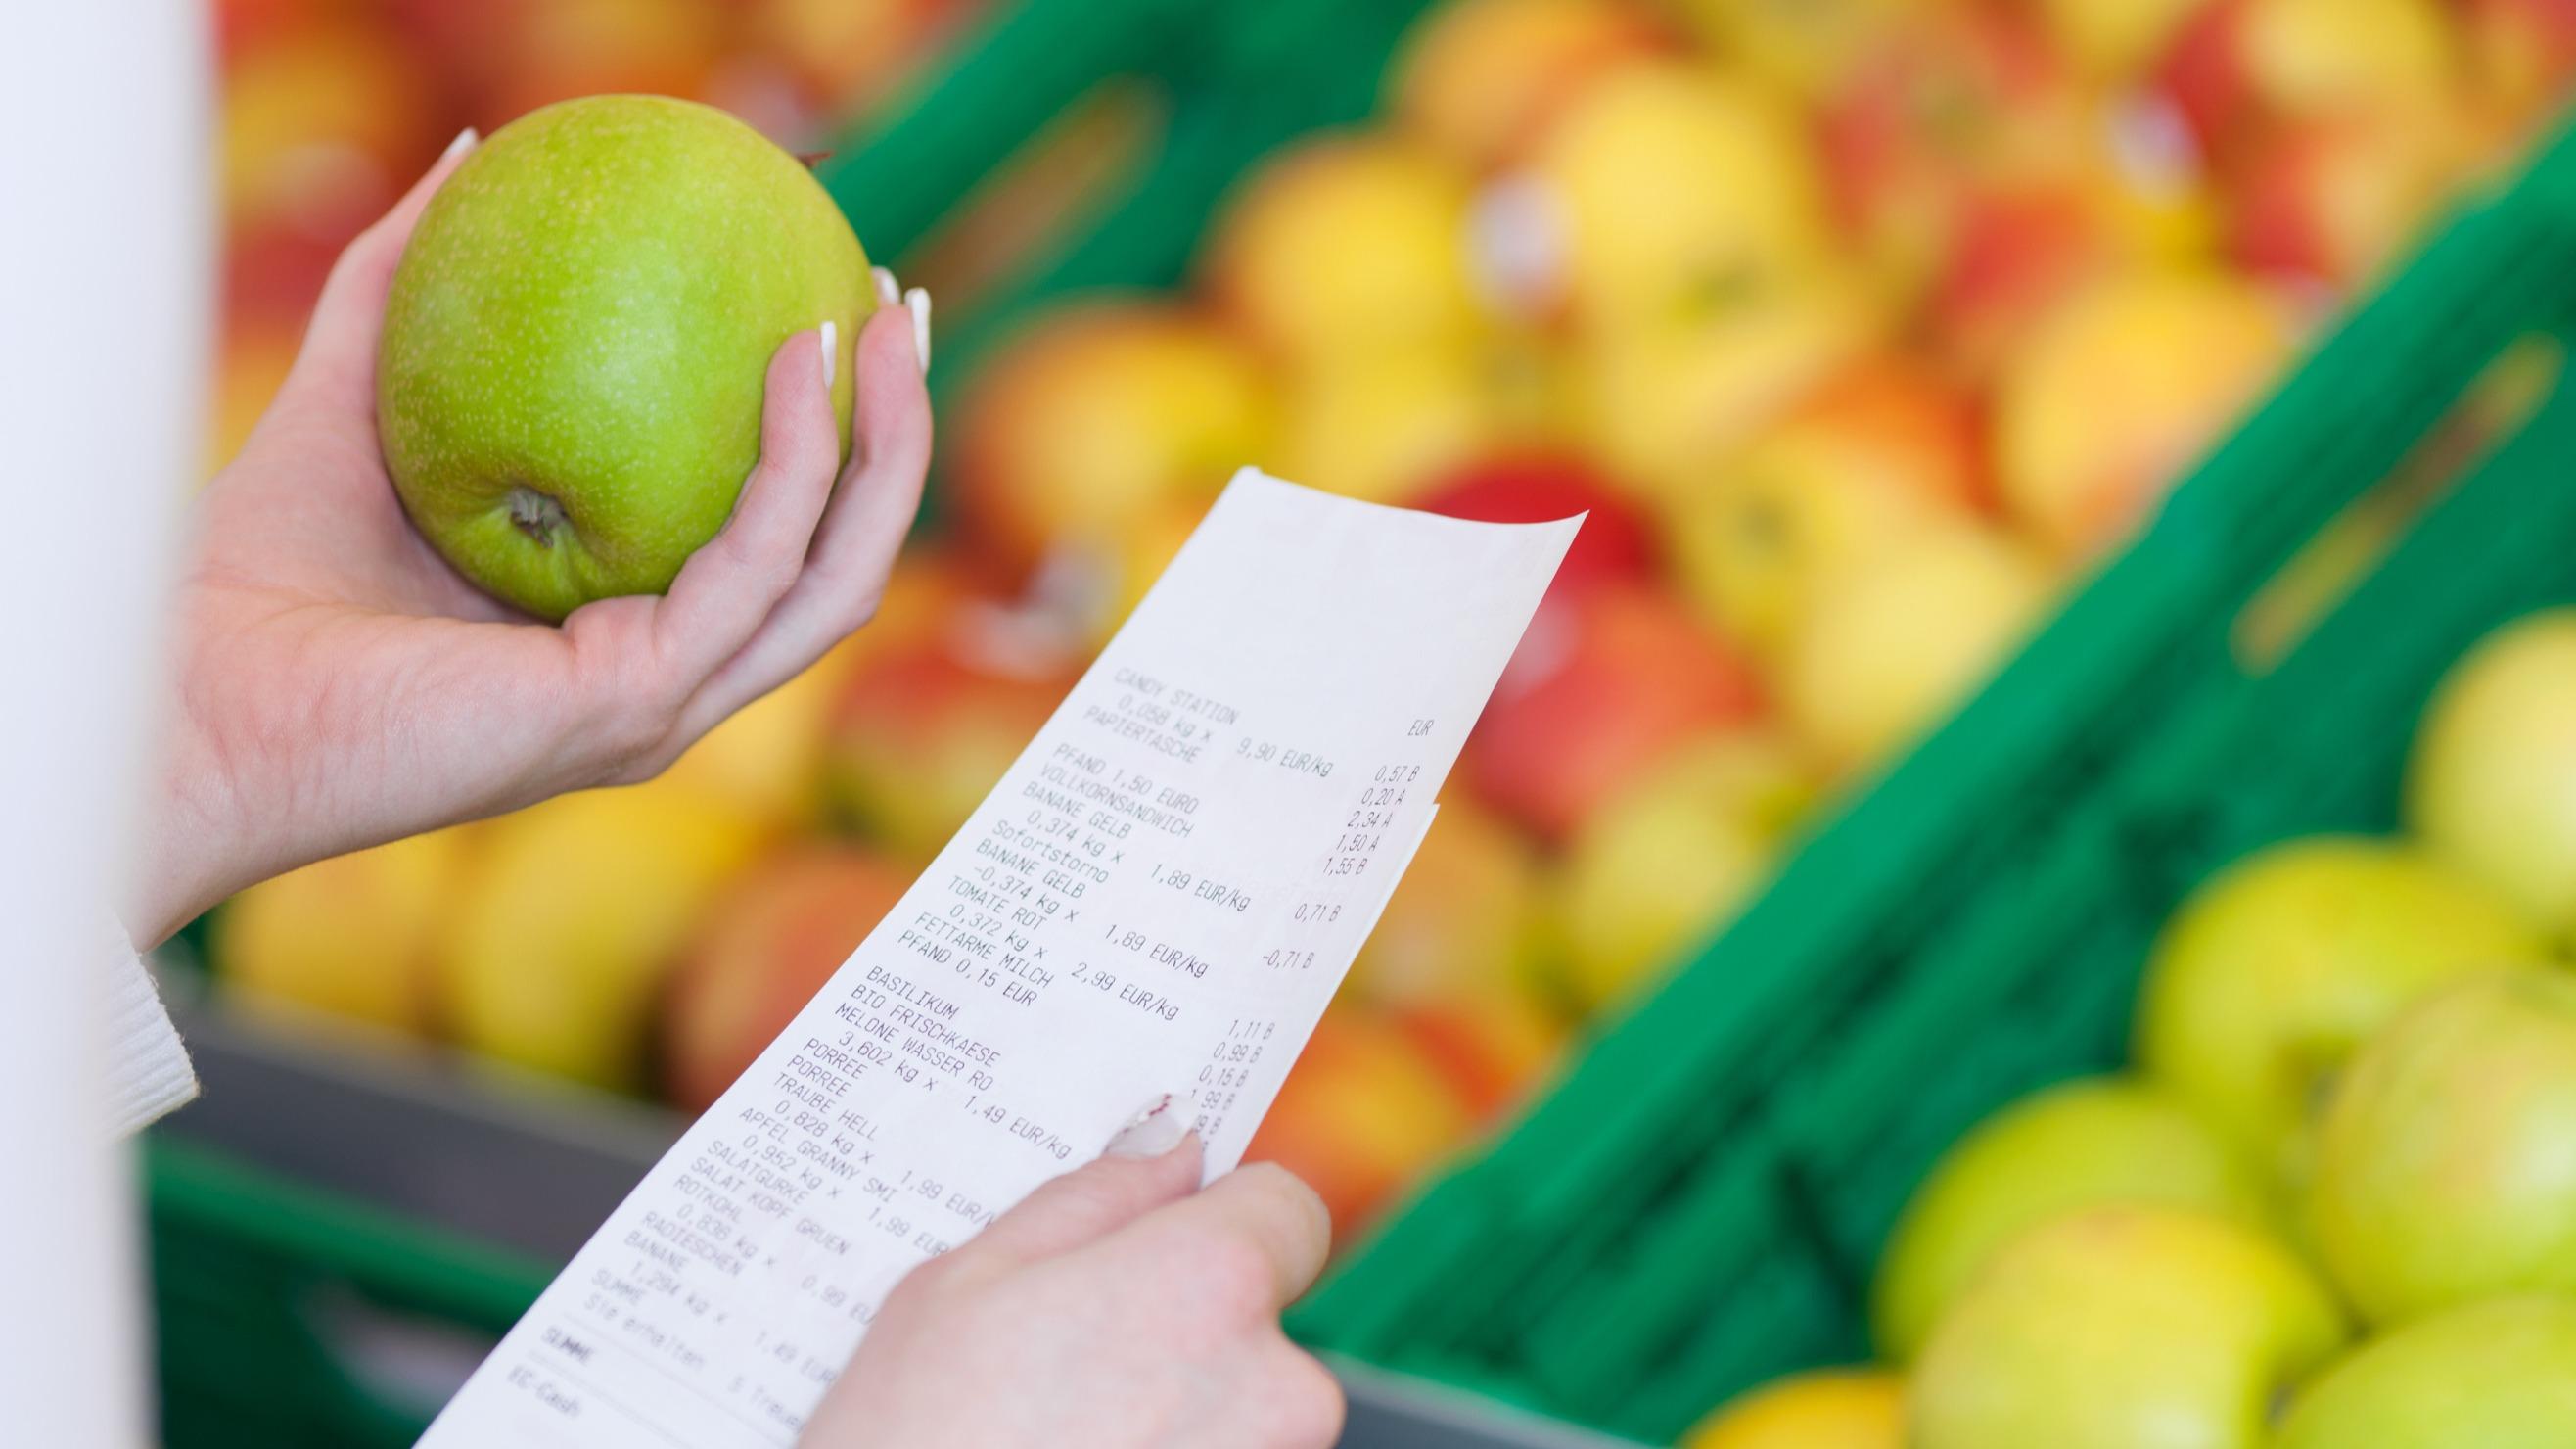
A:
x: 514, y: 1172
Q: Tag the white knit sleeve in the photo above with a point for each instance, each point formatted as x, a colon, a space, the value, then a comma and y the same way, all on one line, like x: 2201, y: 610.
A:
x: 148, y: 1074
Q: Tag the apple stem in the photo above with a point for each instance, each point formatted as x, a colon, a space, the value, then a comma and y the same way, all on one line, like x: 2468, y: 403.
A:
x: 538, y: 515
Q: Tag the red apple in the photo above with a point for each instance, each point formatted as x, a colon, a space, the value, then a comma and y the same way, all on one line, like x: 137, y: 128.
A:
x: 767, y: 945
x: 2240, y: 65
x: 1455, y: 959
x: 552, y: 50
x: 2522, y: 54
x: 1347, y: 244
x: 1492, y: 1049
x: 273, y: 274
x: 1600, y: 689
x: 2016, y: 252
x: 2328, y: 199
x: 844, y: 51
x: 1951, y: 102
x: 1362, y: 1114
x: 923, y: 730
x: 1536, y: 487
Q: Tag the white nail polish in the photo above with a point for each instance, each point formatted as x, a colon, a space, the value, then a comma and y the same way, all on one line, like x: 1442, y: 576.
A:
x: 1156, y: 1130
x: 463, y: 143
x: 889, y: 292
x: 917, y: 302
x: 831, y: 350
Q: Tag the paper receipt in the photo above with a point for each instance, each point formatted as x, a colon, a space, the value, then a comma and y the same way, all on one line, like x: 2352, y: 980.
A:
x: 1160, y: 896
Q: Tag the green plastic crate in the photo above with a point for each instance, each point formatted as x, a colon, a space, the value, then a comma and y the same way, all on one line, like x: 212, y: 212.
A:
x: 1229, y: 83
x: 247, y: 1272
x: 1697, y: 1205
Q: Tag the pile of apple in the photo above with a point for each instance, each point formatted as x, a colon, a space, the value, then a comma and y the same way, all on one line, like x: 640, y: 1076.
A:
x: 2333, y: 1206
x: 332, y: 107
x: 1859, y: 329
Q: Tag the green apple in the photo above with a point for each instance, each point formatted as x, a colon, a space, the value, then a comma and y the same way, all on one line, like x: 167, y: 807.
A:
x: 2123, y: 1328
x: 2500, y: 1374
x: 2079, y: 1145
x: 569, y: 387
x: 2278, y: 968
x: 2492, y: 784
x: 2446, y: 1170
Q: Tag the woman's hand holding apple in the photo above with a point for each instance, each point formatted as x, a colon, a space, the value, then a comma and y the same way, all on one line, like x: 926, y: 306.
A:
x: 339, y: 685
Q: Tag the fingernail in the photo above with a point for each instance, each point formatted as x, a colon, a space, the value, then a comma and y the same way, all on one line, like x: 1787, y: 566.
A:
x: 888, y: 291
x: 1156, y: 1130
x: 917, y: 302
x: 463, y: 143
x: 831, y: 349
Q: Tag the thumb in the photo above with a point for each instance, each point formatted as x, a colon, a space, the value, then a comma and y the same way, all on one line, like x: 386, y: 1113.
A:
x: 1154, y: 1161
x: 338, y: 363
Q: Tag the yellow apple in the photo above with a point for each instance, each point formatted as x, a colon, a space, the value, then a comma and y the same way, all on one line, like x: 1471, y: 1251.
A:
x: 2494, y: 1375
x: 2446, y: 1168
x: 2492, y: 782
x: 1890, y: 645
x: 1671, y: 183
x: 2237, y: 65
x: 1465, y: 919
x: 323, y: 126
x: 1384, y: 426
x: 1828, y: 1409
x: 354, y: 935
x: 1802, y: 46
x: 1479, y: 78
x: 2079, y: 1145
x: 1659, y: 867
x: 1665, y: 399
x: 767, y: 758
x: 2116, y: 40
x: 567, y: 929
x: 2118, y: 391
x: 1098, y: 414
x: 1346, y: 245
x: 1878, y: 453
x: 2277, y: 969
x: 2123, y: 1328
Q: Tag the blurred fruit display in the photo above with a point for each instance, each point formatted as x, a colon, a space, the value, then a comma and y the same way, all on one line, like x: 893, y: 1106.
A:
x: 1860, y: 330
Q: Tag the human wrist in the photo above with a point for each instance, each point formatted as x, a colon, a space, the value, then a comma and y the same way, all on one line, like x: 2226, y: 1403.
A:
x: 190, y: 858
